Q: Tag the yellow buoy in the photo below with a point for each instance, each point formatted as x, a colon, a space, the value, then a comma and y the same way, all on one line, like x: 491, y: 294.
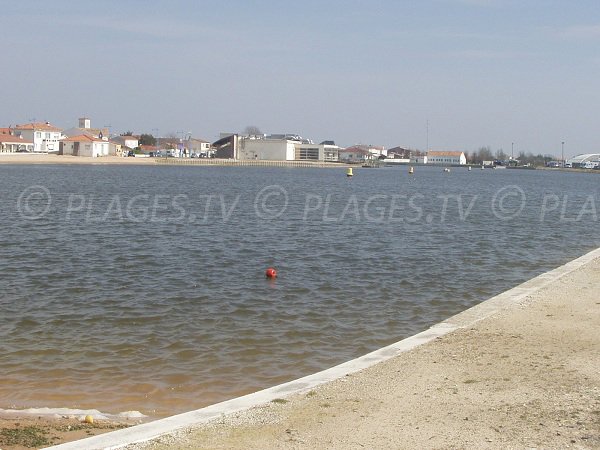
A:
x: 88, y: 419
x: 411, y: 170
x: 349, y: 172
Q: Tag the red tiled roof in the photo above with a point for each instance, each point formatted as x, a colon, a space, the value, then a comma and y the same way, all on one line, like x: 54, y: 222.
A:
x: 42, y: 126
x: 13, y: 139
x: 5, y: 130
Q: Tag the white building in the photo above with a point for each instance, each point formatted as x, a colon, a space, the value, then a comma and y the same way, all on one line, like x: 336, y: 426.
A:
x: 11, y: 144
x: 267, y: 149
x: 317, y: 152
x: 84, y: 145
x: 126, y: 141
x: 355, y: 155
x: 45, y: 137
x: 453, y: 158
x: 422, y: 159
x: 585, y: 161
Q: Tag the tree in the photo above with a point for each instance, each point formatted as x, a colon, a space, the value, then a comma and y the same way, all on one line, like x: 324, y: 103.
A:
x: 147, y: 139
x: 127, y: 133
x: 251, y: 130
x: 500, y: 155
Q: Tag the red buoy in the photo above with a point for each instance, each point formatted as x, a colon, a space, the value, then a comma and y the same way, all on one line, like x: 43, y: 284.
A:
x: 271, y: 273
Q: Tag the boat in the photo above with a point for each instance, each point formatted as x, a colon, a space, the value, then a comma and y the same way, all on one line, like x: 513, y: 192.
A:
x: 411, y: 170
x: 446, y: 169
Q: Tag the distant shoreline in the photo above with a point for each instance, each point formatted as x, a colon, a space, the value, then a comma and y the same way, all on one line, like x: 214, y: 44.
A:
x: 29, y: 158
x: 44, y: 158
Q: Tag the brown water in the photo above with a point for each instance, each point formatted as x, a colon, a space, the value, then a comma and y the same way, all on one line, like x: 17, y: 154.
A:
x: 143, y: 288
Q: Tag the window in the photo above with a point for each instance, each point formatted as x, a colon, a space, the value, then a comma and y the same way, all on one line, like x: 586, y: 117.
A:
x: 38, y: 134
x: 307, y: 153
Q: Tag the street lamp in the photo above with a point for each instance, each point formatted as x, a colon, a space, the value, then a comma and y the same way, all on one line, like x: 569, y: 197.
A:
x: 512, y: 150
x: 562, y: 144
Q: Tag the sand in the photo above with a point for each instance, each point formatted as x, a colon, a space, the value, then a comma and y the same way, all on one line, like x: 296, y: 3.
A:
x: 18, y: 432
x: 526, y: 377
x: 33, y: 158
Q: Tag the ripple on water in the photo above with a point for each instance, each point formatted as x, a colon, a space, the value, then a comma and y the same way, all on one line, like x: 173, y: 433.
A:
x: 164, y: 316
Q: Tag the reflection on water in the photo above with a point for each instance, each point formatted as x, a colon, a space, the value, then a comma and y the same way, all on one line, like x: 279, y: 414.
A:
x: 143, y: 288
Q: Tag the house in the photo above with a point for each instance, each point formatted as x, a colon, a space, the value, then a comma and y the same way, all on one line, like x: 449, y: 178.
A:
x: 354, y: 155
x: 85, y: 128
x: 446, y: 157
x: 198, y: 146
x: 126, y: 141
x: 84, y: 145
x: 12, y: 144
x: 45, y: 137
x: 374, y: 151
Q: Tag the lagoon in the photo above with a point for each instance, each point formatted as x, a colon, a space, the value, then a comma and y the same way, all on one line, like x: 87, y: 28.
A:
x: 143, y: 288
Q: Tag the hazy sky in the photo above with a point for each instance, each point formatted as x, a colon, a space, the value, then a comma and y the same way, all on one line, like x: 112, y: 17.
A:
x: 480, y: 72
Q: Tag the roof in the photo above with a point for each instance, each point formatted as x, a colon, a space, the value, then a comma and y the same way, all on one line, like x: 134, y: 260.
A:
x: 355, y: 150
x: 13, y: 139
x: 82, y: 138
x: 365, y: 147
x: 585, y: 157
x: 430, y: 153
x: 42, y: 126
x: 6, y: 130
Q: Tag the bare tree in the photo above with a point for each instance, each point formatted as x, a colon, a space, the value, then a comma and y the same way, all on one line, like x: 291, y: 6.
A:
x: 252, y: 130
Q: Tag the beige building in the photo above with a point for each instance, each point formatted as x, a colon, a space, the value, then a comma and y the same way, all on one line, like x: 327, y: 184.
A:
x: 84, y: 145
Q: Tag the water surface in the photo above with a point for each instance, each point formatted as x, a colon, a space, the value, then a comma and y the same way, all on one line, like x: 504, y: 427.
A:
x: 143, y: 288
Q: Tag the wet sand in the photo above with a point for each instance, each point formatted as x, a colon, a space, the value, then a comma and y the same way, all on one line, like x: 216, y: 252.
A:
x: 525, y: 377
x: 19, y: 432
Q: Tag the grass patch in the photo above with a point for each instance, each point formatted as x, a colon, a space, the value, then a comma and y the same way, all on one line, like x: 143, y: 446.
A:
x: 280, y: 401
x: 470, y: 381
x: 311, y: 394
x: 30, y: 436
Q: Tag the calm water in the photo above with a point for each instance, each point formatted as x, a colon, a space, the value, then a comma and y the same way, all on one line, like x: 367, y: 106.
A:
x: 143, y: 288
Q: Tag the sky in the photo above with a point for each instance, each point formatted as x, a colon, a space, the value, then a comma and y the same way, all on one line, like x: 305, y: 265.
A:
x: 517, y: 75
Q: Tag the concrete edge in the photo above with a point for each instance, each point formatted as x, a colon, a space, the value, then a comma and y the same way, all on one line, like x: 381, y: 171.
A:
x: 152, y: 430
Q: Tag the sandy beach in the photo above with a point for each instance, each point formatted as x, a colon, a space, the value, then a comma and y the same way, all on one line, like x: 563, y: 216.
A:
x: 32, y: 158
x: 526, y: 377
